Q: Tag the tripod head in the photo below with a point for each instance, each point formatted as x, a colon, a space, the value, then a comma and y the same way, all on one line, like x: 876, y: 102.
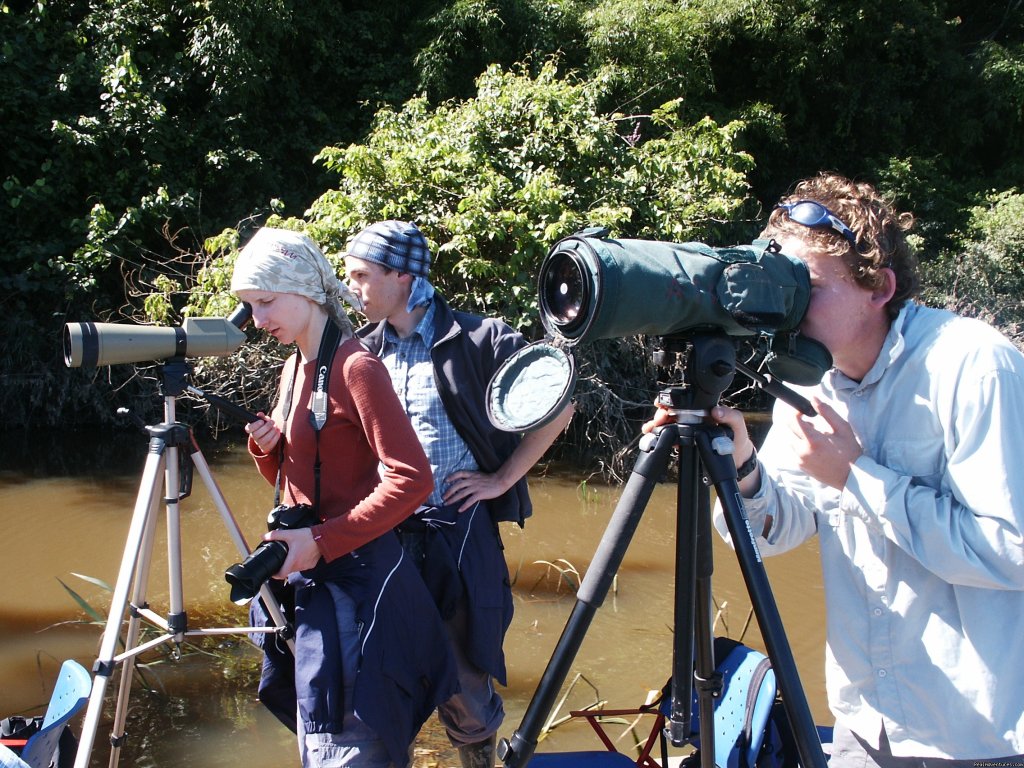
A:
x: 174, y: 381
x: 174, y: 376
x: 709, y: 367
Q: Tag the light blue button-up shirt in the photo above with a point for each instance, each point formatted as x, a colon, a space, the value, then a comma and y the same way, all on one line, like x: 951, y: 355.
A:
x: 412, y: 375
x: 923, y: 551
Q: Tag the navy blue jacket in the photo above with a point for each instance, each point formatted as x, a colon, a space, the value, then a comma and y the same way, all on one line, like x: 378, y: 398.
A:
x: 467, y: 351
x: 406, y: 669
x: 464, y: 559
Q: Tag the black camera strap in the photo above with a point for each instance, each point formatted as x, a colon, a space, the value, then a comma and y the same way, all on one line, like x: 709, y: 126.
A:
x: 318, y: 405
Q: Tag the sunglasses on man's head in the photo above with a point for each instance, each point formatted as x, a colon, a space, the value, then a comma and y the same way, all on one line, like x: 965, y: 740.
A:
x: 817, y: 216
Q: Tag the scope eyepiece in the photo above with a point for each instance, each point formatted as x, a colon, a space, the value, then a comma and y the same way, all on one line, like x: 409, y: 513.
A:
x: 241, y: 315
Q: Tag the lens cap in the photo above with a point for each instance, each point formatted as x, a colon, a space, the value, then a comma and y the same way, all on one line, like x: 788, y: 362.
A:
x: 531, y: 388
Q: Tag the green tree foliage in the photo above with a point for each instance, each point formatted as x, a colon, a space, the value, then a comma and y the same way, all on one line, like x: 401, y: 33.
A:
x: 496, y: 180
x: 652, y: 51
x: 857, y: 81
x: 137, y: 128
x: 848, y: 85
x: 464, y: 37
x: 984, y: 275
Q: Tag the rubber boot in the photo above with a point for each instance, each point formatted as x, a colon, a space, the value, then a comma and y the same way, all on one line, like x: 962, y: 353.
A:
x: 478, y: 755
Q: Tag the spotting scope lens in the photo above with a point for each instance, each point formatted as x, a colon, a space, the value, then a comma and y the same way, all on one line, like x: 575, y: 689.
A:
x: 570, y: 289
x: 564, y: 291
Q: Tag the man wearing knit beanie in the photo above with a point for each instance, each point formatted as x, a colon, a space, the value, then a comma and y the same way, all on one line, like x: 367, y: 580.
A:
x: 440, y: 362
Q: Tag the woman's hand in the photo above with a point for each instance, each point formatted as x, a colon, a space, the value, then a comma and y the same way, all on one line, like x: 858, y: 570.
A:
x: 264, y: 433
x: 303, y: 553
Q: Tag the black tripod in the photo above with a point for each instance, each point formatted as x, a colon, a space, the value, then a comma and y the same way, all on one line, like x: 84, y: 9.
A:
x: 165, y: 442
x: 709, y: 369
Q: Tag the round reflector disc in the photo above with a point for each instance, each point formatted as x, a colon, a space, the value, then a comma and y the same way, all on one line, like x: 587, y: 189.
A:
x: 531, y: 388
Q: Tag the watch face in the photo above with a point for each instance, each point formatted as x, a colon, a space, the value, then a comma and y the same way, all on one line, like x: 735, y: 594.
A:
x: 531, y: 388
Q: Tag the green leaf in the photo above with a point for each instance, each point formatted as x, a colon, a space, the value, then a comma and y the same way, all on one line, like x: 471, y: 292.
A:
x: 82, y: 603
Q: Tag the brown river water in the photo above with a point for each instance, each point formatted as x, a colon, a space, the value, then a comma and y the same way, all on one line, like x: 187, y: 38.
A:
x: 67, y: 501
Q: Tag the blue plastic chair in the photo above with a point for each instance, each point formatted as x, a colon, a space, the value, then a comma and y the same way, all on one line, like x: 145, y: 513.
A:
x: 742, y: 714
x: 69, y: 695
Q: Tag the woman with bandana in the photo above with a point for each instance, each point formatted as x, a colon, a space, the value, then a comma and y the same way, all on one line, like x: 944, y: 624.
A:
x: 371, y: 659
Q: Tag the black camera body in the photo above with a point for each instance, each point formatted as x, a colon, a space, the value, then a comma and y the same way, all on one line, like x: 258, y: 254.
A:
x: 248, y: 576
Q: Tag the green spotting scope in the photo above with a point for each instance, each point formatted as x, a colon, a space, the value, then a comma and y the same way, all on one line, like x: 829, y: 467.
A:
x: 594, y: 287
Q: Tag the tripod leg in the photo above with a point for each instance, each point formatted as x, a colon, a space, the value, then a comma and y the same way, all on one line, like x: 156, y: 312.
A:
x: 104, y: 666
x: 687, y: 496
x: 722, y: 471
x: 693, y: 654
x: 705, y: 670
x: 138, y: 600
x: 177, y: 621
x: 646, y: 473
x: 235, y: 532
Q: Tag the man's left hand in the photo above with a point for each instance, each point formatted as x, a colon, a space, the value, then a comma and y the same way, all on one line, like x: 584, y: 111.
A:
x: 466, y: 488
x: 825, y: 445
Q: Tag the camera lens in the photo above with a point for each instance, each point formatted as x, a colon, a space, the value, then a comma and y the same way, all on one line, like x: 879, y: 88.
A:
x: 565, y: 291
x: 247, y: 577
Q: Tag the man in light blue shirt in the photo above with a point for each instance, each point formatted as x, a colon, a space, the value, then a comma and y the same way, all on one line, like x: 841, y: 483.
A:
x: 912, y: 476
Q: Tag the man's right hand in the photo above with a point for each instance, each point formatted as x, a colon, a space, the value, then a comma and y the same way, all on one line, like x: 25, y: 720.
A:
x: 743, y: 446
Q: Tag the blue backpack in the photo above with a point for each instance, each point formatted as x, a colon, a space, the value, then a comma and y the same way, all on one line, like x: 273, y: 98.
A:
x: 747, y: 724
